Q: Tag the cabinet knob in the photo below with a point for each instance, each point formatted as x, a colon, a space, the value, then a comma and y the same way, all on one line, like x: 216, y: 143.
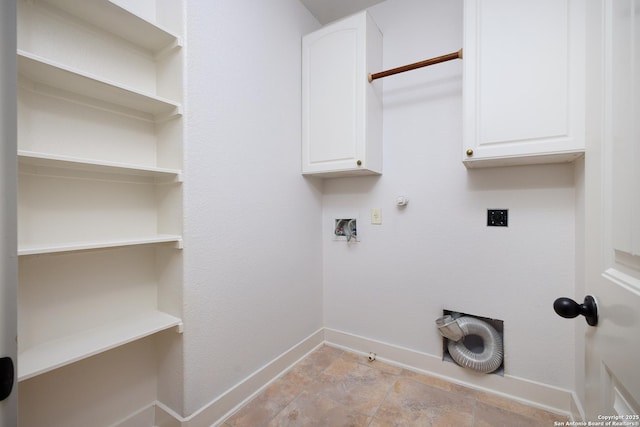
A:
x: 359, y: 162
x: 469, y: 152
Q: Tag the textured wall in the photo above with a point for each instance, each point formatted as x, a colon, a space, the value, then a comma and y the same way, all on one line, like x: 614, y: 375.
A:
x: 261, y: 267
x: 253, y: 269
x: 438, y: 253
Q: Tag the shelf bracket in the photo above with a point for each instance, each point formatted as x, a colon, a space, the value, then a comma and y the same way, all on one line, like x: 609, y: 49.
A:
x: 176, y: 44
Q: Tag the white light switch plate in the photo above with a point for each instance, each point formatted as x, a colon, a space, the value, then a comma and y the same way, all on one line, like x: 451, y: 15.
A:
x: 376, y: 216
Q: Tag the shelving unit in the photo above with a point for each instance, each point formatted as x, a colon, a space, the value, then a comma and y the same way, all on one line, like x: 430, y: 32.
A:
x: 108, y: 16
x: 40, y: 71
x: 57, y: 353
x: 32, y: 158
x: 100, y: 178
x: 98, y: 244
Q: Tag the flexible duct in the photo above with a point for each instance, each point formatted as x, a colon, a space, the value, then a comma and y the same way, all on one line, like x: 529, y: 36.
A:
x: 455, y: 330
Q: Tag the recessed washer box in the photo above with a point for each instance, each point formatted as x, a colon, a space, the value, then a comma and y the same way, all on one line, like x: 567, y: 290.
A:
x: 345, y: 229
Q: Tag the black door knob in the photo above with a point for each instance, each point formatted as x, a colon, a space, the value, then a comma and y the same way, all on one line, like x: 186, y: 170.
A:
x: 7, y: 377
x: 568, y: 308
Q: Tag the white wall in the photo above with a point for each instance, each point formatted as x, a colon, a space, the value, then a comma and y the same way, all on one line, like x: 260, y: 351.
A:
x: 438, y: 253
x: 262, y: 271
x: 8, y: 187
x: 253, y: 272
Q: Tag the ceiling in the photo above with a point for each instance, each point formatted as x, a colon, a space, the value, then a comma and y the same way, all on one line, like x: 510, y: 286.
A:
x: 329, y: 10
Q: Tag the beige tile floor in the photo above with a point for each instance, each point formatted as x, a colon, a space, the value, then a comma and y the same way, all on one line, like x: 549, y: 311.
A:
x: 333, y: 388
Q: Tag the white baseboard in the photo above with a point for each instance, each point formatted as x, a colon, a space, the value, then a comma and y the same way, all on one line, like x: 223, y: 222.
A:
x: 165, y: 417
x: 158, y: 414
x: 218, y: 410
x: 152, y: 415
x: 528, y: 392
x: 531, y: 393
x: 142, y: 417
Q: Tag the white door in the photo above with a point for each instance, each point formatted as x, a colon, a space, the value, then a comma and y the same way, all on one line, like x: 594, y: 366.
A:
x: 8, y: 227
x: 612, y: 191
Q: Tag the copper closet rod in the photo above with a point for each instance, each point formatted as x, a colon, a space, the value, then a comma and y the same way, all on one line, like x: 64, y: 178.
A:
x: 425, y: 63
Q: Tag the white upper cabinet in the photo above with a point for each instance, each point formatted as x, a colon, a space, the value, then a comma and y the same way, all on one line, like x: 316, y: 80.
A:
x: 341, y: 110
x: 524, y: 66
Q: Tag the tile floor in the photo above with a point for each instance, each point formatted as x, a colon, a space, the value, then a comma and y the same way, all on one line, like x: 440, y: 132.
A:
x: 333, y: 388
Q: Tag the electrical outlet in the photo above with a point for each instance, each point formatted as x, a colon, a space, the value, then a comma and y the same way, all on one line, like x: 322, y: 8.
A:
x: 497, y: 217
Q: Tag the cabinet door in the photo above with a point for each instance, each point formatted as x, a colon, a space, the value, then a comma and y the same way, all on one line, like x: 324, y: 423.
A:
x: 342, y: 111
x: 523, y: 81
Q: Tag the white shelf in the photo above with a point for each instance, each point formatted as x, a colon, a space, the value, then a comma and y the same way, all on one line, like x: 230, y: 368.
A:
x: 55, y: 354
x: 33, y: 158
x: 59, y: 76
x: 100, y: 196
x: 101, y: 244
x: 110, y: 17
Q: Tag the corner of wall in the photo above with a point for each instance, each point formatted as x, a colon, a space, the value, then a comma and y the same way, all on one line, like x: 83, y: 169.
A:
x: 222, y: 407
x: 580, y: 279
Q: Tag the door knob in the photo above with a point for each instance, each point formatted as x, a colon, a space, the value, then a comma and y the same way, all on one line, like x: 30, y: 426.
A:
x: 568, y: 308
x: 7, y: 377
